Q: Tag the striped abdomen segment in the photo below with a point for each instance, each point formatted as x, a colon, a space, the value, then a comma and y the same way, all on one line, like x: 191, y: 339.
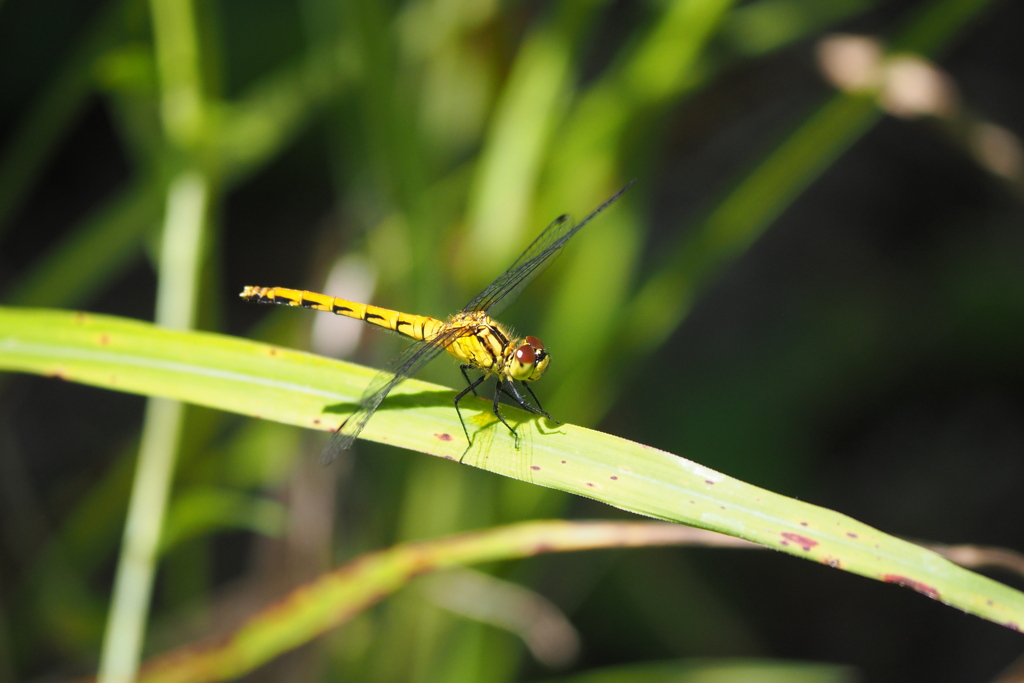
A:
x: 419, y: 327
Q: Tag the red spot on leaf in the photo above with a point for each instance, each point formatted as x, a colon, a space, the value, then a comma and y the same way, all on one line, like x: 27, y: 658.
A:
x: 590, y: 483
x: 709, y: 482
x: 613, y: 478
x: 802, y: 541
x: 444, y: 437
x: 831, y: 562
x: 851, y: 534
x: 534, y: 467
x: 907, y: 582
x: 1013, y: 625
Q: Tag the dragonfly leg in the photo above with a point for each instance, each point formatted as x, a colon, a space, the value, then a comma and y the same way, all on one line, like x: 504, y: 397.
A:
x: 472, y: 385
x: 499, y: 387
x: 513, y: 393
x: 532, y: 395
x: 462, y: 394
x: 537, y: 401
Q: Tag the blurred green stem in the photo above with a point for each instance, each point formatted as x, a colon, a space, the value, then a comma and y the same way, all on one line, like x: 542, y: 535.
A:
x: 187, y: 208
x: 739, y: 219
x: 176, y: 40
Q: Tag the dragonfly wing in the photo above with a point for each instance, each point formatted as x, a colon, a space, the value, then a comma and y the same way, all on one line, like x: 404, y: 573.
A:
x: 407, y: 363
x: 502, y: 292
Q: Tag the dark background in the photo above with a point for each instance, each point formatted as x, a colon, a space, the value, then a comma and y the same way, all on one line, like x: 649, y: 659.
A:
x: 863, y: 350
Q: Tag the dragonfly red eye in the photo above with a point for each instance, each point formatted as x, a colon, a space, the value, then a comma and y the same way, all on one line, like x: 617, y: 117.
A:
x: 535, y: 343
x: 526, y: 355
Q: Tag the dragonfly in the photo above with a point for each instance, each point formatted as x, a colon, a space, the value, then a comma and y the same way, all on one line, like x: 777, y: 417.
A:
x: 472, y: 336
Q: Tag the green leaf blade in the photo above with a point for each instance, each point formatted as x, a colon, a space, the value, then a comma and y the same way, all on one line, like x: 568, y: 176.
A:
x: 302, y: 389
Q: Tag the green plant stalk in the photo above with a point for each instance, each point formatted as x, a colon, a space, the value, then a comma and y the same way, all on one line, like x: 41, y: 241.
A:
x: 526, y: 115
x: 662, y: 68
x: 133, y: 584
x: 187, y: 208
x: 741, y: 217
x: 184, y: 119
x: 334, y: 598
x: 307, y: 390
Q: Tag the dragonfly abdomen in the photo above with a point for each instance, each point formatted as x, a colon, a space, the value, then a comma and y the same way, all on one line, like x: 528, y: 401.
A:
x: 419, y: 327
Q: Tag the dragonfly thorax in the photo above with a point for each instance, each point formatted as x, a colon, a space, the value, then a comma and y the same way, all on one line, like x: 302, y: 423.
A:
x: 487, y: 345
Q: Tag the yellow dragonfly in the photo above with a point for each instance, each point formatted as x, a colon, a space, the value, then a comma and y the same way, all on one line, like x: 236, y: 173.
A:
x: 471, y: 335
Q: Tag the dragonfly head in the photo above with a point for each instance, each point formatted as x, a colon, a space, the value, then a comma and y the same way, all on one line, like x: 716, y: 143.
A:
x: 529, y: 361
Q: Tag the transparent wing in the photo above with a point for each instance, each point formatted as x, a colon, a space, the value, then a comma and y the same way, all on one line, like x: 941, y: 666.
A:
x: 407, y: 363
x: 502, y: 292
x: 493, y: 299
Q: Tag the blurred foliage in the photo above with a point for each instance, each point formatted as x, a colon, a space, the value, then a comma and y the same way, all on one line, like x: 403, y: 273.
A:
x: 822, y: 289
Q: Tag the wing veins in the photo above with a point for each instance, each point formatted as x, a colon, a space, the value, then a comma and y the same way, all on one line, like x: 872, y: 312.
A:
x: 532, y: 261
x: 407, y: 363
